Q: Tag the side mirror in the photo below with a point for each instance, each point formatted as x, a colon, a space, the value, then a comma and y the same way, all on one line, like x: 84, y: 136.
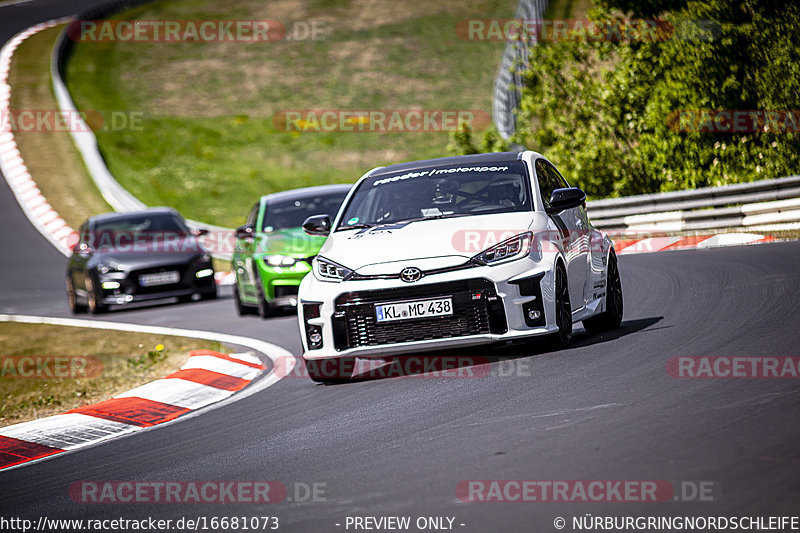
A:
x: 199, y: 232
x: 563, y: 199
x: 317, y: 225
x: 245, y: 232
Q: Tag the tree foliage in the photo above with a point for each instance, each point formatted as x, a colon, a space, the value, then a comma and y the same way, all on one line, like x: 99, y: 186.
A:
x: 611, y: 113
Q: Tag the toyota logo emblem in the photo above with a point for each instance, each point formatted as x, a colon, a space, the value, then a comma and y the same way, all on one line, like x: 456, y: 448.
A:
x: 410, y: 274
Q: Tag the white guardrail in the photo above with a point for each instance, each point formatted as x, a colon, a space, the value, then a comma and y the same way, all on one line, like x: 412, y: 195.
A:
x: 766, y: 205
x: 85, y: 140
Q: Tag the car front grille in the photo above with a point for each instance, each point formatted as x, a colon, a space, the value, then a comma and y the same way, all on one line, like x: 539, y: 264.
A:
x: 476, y: 310
x: 282, y: 291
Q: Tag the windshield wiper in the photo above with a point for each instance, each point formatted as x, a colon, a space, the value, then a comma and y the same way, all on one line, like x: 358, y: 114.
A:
x: 433, y: 217
x: 355, y: 226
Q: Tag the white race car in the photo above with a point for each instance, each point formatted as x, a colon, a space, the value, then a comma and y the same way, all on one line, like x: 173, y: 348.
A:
x: 453, y: 252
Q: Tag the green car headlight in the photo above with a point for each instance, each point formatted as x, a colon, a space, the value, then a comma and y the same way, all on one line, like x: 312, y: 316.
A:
x: 279, y: 260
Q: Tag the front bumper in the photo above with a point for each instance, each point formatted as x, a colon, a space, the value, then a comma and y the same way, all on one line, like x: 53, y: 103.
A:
x: 130, y: 290
x: 281, y: 284
x: 491, y: 304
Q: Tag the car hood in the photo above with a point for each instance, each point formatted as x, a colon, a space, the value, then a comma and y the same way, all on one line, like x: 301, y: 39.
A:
x: 138, y: 260
x: 290, y: 241
x: 426, y: 244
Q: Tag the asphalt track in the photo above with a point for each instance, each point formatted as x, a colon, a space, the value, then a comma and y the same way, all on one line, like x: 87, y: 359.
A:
x: 604, y: 409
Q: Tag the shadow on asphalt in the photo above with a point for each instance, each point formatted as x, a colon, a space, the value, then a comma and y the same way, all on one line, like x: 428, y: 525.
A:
x: 475, y: 361
x: 222, y: 294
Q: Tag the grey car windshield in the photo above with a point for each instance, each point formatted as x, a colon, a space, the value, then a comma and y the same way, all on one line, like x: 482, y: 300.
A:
x: 439, y: 192
x: 143, y: 224
x: 292, y: 213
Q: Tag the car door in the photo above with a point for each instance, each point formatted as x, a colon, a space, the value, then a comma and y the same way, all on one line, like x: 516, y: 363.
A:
x: 243, y: 260
x: 572, y: 224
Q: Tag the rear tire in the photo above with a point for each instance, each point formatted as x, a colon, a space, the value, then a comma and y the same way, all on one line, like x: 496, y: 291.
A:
x: 563, y: 337
x: 611, y: 318
x: 74, y: 307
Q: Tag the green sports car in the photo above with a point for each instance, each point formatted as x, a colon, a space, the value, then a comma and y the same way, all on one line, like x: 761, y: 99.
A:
x: 273, y: 253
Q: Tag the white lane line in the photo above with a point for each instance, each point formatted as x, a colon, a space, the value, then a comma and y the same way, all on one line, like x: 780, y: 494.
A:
x: 178, y: 392
x: 67, y: 431
x: 11, y: 164
x: 9, y: 3
x: 215, y: 364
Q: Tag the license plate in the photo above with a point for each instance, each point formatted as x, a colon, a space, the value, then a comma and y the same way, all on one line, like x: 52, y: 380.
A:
x: 417, y: 309
x: 159, y: 278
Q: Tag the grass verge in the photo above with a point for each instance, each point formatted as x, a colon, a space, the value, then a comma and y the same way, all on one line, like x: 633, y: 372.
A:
x: 114, y: 363
x: 208, y: 145
x: 51, y: 157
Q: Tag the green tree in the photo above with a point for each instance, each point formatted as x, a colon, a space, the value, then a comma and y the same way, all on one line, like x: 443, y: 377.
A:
x: 611, y: 113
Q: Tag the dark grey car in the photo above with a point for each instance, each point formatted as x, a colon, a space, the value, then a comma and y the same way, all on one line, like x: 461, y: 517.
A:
x: 133, y: 257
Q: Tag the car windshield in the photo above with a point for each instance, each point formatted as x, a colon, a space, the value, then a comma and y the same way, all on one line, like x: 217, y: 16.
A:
x: 292, y: 213
x: 143, y: 224
x: 439, y: 192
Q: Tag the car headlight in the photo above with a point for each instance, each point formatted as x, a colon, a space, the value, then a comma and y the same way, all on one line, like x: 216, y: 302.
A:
x: 105, y: 268
x: 279, y: 260
x: 204, y: 273
x: 327, y: 270
x: 511, y: 249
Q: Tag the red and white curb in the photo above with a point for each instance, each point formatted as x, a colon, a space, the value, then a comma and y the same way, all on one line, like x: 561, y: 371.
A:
x: 225, y: 278
x: 28, y: 195
x: 35, y: 206
x: 208, y: 380
x: 629, y: 246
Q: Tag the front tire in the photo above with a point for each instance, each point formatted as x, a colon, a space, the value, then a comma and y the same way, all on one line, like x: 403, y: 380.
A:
x: 241, y: 308
x: 563, y: 337
x: 611, y: 318
x: 211, y: 295
x: 95, y: 301
x: 264, y: 308
x: 74, y: 307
